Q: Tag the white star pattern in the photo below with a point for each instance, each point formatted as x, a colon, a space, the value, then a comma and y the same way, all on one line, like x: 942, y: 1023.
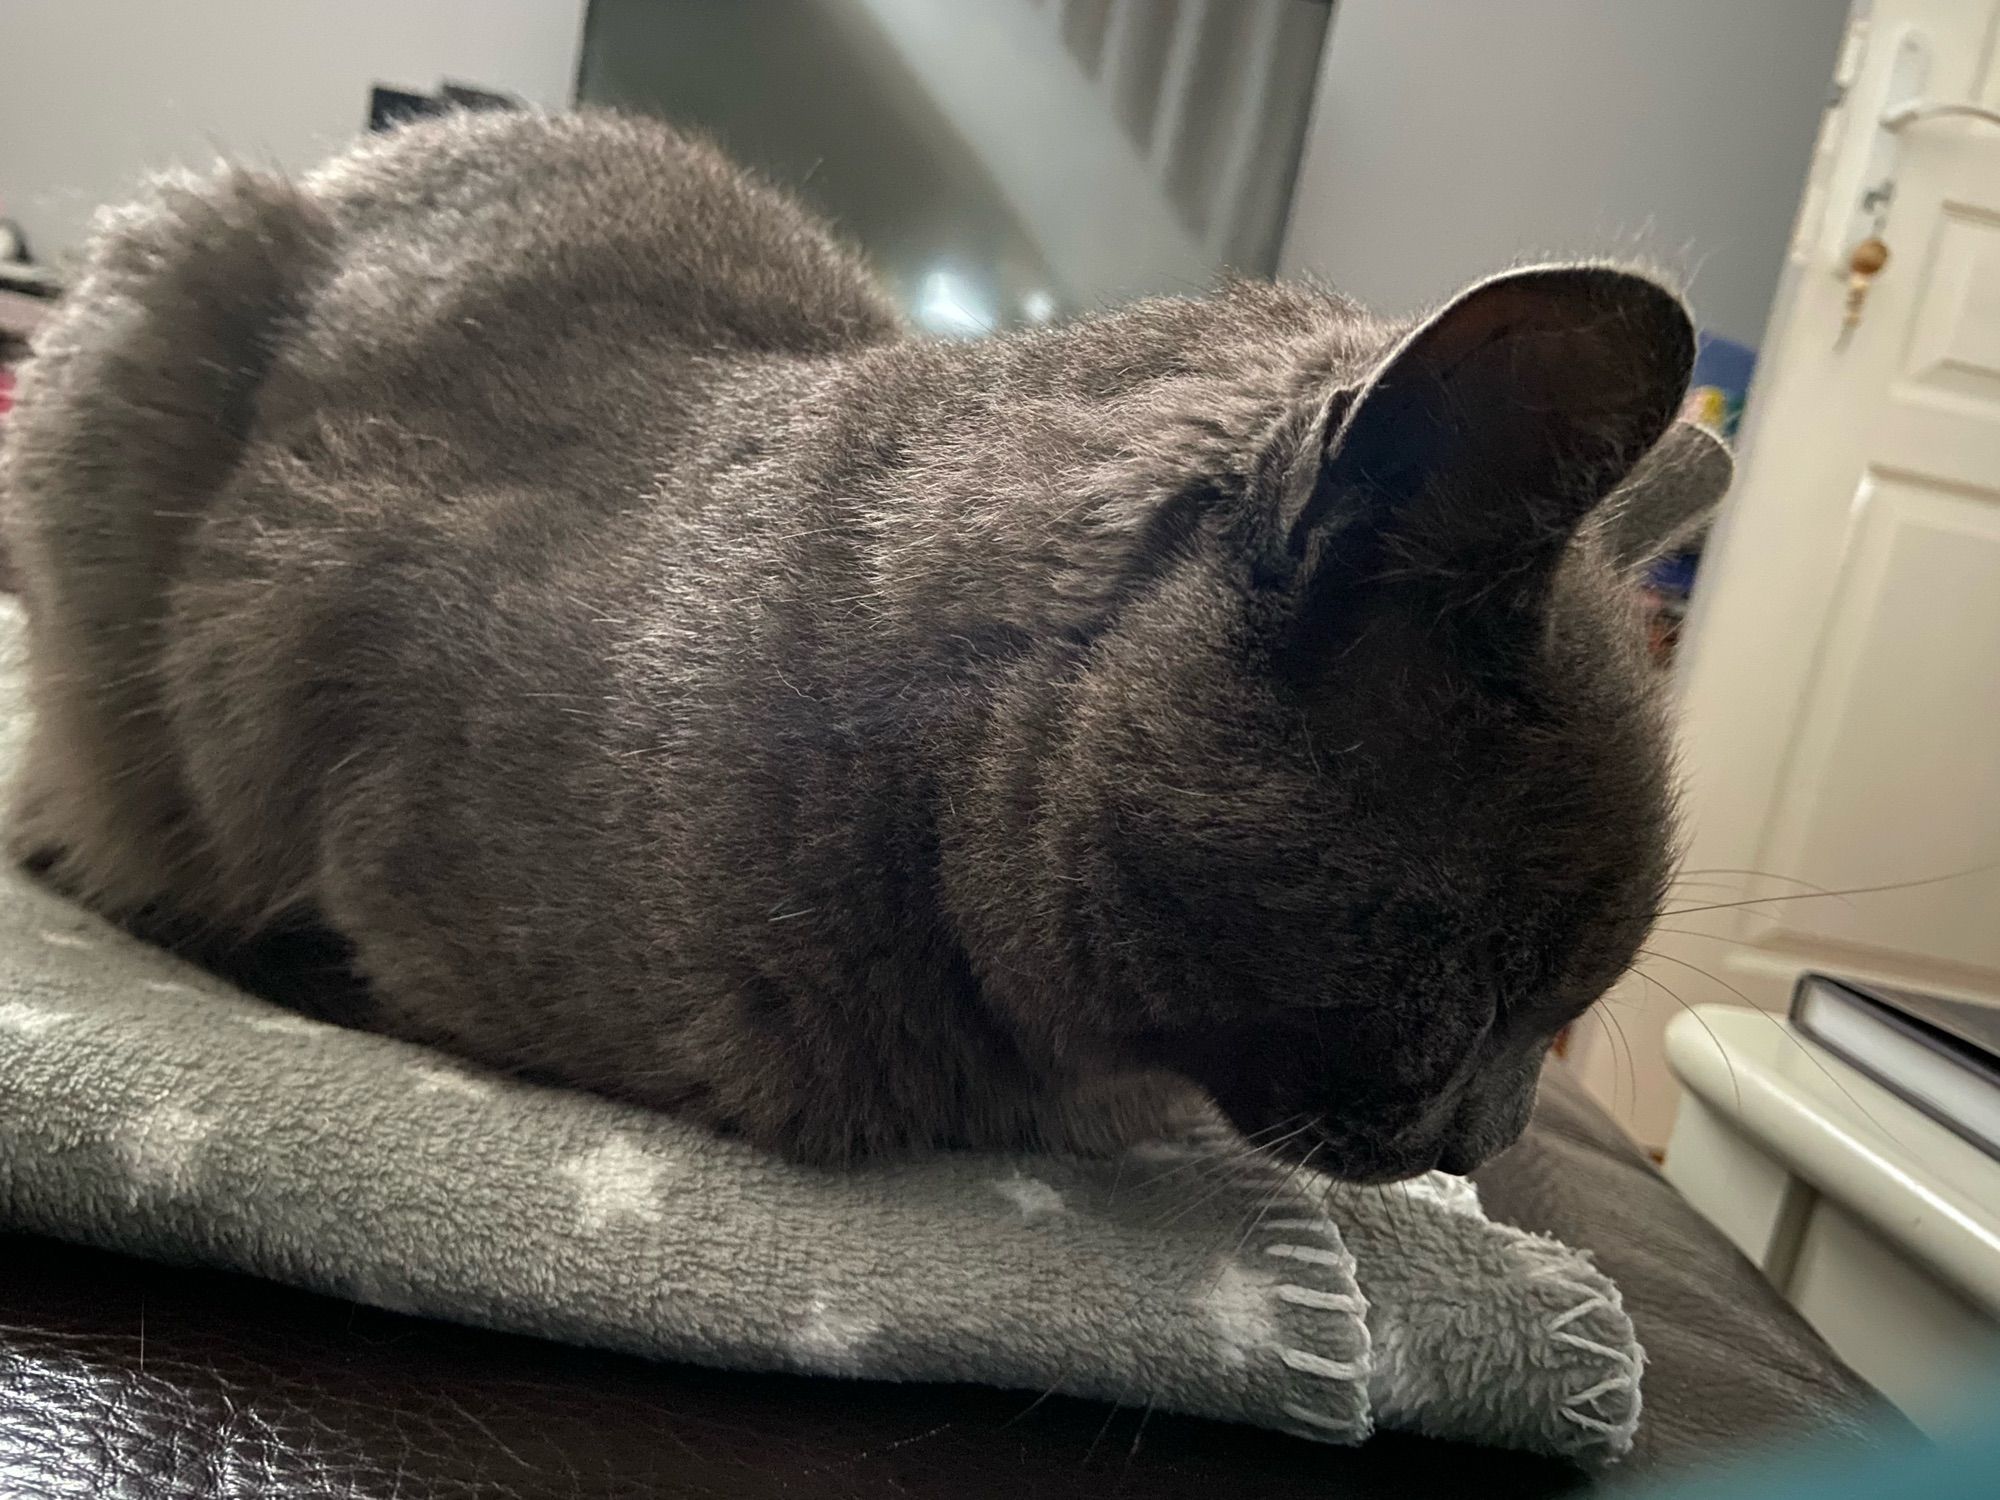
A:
x: 830, y: 1339
x: 437, y: 1078
x: 1238, y: 1308
x: 160, y: 1146
x: 283, y: 1024
x: 1032, y: 1196
x: 617, y: 1181
x: 23, y: 1019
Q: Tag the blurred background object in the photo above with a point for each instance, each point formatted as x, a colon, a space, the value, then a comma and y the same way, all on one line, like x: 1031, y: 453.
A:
x: 1450, y: 138
x: 1011, y: 161
x: 1005, y: 161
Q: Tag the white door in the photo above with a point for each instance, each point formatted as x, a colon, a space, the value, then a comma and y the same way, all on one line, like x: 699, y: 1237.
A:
x: 1841, y: 671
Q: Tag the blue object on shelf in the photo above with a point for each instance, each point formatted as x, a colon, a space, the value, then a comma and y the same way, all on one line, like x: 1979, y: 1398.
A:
x: 1724, y: 364
x: 1723, y: 367
x: 1674, y: 576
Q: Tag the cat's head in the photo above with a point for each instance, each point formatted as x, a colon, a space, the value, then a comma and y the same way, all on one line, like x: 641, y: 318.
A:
x: 1367, y: 792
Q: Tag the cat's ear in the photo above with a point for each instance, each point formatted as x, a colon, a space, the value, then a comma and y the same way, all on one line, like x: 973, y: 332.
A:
x: 1667, y: 498
x: 1477, y: 447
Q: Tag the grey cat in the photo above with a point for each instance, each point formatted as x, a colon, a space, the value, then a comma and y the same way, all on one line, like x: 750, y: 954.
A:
x: 534, y: 550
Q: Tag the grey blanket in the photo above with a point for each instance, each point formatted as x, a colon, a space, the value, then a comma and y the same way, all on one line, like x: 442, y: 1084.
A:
x: 147, y: 1107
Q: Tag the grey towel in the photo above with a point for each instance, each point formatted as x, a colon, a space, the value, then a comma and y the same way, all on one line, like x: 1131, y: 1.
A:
x: 147, y: 1107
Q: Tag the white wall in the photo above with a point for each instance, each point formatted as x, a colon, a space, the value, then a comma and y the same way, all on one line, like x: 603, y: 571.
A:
x: 94, y: 93
x: 1452, y: 137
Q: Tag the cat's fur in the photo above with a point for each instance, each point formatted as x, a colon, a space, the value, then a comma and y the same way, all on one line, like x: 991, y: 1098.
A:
x: 535, y: 550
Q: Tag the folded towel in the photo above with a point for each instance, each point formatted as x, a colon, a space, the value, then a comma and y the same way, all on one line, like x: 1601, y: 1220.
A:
x: 146, y: 1106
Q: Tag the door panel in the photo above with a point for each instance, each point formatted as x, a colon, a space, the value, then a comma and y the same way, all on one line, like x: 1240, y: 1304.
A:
x: 1888, y: 782
x: 1954, y: 358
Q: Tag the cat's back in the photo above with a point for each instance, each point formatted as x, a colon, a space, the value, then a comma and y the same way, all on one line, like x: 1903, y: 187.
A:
x: 535, y: 222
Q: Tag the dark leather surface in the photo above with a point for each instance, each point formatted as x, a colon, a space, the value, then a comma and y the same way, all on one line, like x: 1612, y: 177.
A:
x: 122, y: 1378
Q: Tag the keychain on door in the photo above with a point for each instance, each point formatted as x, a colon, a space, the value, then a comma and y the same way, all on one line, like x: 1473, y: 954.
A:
x: 1903, y: 105
x: 1864, y: 263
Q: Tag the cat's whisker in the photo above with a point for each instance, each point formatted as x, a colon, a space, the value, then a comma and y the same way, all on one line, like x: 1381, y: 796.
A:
x: 1283, y: 1185
x: 1678, y: 886
x: 1229, y: 1169
x: 1654, y: 953
x: 1604, y: 1019
x: 1758, y: 875
x: 1209, y: 1170
x: 1265, y: 1156
x: 1713, y: 937
x: 1395, y: 1220
x: 1617, y: 1029
x: 1139, y: 1432
x: 1246, y: 1148
x: 1853, y: 890
x: 1242, y: 1226
x: 1109, y: 1417
x: 1735, y: 1084
x: 1214, y: 1187
x: 1654, y: 914
x: 1783, y: 1029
